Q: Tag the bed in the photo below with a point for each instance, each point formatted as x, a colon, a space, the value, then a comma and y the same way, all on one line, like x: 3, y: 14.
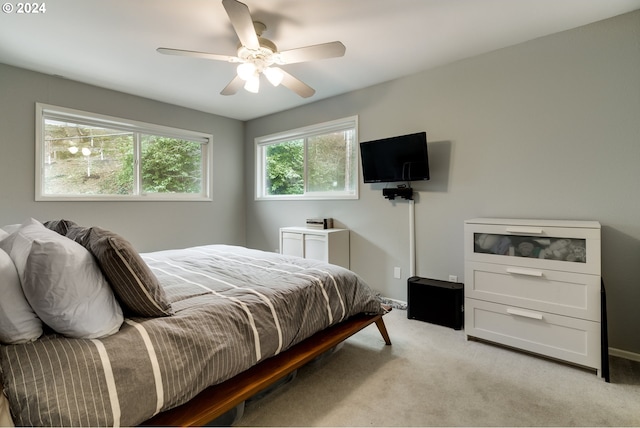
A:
x: 201, y: 329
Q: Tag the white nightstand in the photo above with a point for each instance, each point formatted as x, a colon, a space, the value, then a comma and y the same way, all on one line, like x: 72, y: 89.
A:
x: 328, y: 245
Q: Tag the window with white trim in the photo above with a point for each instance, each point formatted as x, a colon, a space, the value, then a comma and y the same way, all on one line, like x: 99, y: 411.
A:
x: 314, y: 162
x: 87, y: 156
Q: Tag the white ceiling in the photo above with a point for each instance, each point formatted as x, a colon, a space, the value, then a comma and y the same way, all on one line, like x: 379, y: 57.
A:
x: 112, y: 43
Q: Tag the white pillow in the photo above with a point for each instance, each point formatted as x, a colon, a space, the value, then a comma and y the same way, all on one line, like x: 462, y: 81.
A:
x: 63, y: 283
x: 6, y: 236
x: 10, y: 228
x: 18, y: 322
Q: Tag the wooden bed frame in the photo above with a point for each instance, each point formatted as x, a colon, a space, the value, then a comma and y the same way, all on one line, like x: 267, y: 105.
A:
x: 216, y: 400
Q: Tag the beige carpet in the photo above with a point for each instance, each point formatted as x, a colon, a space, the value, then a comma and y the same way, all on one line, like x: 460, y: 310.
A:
x: 432, y: 376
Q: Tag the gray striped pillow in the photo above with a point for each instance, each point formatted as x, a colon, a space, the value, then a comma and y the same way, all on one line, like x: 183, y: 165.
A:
x: 132, y: 281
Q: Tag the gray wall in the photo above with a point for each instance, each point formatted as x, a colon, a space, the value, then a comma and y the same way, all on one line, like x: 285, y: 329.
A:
x: 546, y: 129
x: 148, y: 225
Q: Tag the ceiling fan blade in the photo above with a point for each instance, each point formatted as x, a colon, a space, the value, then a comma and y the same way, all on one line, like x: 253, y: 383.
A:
x: 233, y: 86
x: 309, y: 53
x: 242, y: 23
x: 195, y: 54
x: 297, y: 85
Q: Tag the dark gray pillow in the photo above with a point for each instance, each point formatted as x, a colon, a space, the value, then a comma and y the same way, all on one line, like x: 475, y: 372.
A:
x: 131, y: 279
x: 60, y: 226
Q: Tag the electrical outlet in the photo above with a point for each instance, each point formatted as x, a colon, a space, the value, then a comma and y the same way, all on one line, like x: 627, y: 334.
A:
x: 397, y: 272
x: 453, y: 278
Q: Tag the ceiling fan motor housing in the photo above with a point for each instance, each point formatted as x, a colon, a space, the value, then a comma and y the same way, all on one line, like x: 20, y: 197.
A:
x: 266, y: 55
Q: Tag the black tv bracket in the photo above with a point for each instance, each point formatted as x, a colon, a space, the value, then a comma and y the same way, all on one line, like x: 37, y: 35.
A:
x: 400, y: 191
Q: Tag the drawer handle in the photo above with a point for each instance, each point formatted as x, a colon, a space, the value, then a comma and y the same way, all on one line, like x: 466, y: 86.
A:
x: 529, y: 230
x: 527, y: 272
x: 526, y: 314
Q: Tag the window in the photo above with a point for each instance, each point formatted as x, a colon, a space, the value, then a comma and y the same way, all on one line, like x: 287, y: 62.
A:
x: 86, y: 156
x: 315, y: 162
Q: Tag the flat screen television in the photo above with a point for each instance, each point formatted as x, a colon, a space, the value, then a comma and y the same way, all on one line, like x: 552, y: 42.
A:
x: 402, y: 158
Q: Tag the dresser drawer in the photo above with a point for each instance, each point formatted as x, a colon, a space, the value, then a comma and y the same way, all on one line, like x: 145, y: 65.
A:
x: 570, y: 339
x: 564, y: 246
x: 564, y: 293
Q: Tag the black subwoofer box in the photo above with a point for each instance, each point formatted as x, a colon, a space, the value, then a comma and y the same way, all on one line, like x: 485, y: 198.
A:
x: 436, y: 302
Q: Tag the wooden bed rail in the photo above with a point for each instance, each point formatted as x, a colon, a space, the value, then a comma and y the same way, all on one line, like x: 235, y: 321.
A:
x: 218, y: 399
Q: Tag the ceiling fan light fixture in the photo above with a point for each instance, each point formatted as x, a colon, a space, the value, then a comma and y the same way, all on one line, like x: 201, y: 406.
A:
x: 253, y: 84
x: 246, y: 70
x: 274, y: 75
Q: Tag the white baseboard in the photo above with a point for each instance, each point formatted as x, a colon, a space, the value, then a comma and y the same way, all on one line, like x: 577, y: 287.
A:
x: 624, y: 354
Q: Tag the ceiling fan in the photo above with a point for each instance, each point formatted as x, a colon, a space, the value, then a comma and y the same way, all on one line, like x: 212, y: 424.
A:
x: 257, y: 55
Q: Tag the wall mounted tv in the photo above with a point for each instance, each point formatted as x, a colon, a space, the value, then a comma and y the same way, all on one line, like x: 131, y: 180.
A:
x: 402, y: 158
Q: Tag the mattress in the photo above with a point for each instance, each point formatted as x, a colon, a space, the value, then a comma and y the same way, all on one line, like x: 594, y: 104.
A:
x: 233, y: 307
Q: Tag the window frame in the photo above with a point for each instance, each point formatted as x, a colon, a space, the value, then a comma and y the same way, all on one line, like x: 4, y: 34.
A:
x: 47, y: 111
x: 304, y: 133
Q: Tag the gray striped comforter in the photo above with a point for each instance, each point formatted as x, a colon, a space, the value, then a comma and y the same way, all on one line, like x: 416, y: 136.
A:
x: 233, y: 308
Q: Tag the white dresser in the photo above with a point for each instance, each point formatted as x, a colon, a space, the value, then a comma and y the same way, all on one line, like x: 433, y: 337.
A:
x: 535, y: 285
x: 328, y: 245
